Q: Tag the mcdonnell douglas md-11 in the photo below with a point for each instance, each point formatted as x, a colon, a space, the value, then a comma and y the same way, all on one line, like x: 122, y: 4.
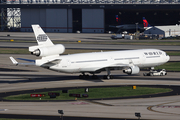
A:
x: 130, y: 61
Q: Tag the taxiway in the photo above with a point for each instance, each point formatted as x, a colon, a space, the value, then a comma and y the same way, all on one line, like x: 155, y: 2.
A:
x: 19, y: 78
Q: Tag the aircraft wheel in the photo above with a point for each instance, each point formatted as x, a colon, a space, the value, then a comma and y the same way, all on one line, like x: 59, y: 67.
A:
x: 104, y: 77
x: 94, y: 77
x: 108, y: 77
x: 151, y: 74
x: 80, y: 76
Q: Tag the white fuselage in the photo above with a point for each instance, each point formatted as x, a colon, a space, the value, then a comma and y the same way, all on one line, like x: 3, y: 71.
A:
x: 91, y: 62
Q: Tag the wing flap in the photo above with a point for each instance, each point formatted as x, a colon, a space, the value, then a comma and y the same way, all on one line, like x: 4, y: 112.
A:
x: 51, y: 63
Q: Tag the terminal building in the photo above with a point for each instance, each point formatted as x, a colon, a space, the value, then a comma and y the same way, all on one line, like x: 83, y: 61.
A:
x: 86, y: 16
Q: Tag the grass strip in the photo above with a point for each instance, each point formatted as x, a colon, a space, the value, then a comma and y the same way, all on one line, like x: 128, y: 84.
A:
x: 108, y: 42
x: 170, y: 66
x: 67, y: 51
x: 95, y: 93
x: 14, y: 51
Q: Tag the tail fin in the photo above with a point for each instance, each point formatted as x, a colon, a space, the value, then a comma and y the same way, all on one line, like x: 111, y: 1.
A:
x: 41, y: 37
x: 145, y: 22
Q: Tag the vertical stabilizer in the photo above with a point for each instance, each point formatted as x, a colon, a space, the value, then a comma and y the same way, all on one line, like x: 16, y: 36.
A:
x: 145, y: 22
x: 41, y: 37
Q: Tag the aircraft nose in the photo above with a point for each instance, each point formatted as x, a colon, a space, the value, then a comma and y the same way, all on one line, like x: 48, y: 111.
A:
x: 167, y: 58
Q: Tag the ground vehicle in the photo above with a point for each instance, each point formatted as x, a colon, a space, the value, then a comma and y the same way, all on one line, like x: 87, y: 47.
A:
x: 156, y: 73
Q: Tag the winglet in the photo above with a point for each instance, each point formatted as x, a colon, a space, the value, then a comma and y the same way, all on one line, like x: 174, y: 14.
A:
x: 13, y: 61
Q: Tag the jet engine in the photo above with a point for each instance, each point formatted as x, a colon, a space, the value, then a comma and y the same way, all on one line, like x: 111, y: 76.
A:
x: 132, y: 70
x: 49, y: 50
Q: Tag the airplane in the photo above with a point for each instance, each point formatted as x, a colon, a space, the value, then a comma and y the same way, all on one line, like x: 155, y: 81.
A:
x: 127, y: 27
x: 130, y: 61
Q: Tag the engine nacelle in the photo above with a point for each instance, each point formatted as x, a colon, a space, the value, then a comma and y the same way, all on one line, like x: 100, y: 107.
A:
x: 49, y: 50
x: 132, y: 70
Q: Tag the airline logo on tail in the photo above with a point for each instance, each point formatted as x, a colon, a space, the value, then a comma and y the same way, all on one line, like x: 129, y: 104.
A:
x: 42, y: 37
x: 145, y: 22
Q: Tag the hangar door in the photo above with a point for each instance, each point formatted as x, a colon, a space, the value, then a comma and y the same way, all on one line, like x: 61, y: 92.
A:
x: 92, y: 20
x: 77, y: 20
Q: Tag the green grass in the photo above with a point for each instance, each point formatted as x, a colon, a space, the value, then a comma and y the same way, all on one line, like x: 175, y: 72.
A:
x: 14, y: 51
x: 115, y: 42
x: 170, y: 66
x: 107, y: 92
x: 25, y: 51
x: 173, y: 53
x: 67, y: 51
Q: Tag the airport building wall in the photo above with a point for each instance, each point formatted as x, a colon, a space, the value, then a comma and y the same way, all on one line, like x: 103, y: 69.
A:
x: 90, y: 17
x: 61, y: 20
x: 51, y: 20
x: 93, y: 20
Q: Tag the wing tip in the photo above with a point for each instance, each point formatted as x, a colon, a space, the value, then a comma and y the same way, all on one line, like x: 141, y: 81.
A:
x: 13, y: 60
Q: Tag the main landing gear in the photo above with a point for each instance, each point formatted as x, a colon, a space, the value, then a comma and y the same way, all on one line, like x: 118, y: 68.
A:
x: 86, y: 76
x: 108, y: 76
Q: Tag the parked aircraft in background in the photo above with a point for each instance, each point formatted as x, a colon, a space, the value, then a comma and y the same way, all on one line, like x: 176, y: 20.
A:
x: 130, y: 61
x: 163, y: 31
x: 128, y: 27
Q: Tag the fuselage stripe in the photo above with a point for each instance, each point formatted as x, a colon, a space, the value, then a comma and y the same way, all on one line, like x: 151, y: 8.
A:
x: 126, y: 58
x: 90, y: 61
x: 152, y: 56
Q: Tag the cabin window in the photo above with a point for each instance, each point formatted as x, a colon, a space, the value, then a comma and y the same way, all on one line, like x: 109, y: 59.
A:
x: 150, y: 53
x: 146, y: 53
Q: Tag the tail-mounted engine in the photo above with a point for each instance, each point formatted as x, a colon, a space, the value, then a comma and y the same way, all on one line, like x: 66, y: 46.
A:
x: 48, y: 50
x: 132, y: 70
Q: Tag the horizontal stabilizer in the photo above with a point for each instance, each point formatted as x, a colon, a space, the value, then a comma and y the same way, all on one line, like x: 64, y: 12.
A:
x: 13, y: 61
x: 29, y: 60
x: 16, y: 63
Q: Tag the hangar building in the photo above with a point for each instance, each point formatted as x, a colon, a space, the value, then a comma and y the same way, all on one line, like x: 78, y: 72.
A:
x: 88, y: 16
x: 164, y: 31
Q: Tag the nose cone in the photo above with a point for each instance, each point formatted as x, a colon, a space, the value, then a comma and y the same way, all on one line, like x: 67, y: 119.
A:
x: 167, y: 58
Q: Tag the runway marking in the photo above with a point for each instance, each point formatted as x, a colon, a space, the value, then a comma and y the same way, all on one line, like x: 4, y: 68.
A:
x: 164, y: 106
x: 171, y: 106
x: 79, y: 103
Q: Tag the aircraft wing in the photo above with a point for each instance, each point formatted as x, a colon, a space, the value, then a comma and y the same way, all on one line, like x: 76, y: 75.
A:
x: 32, y: 62
x: 102, y: 68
